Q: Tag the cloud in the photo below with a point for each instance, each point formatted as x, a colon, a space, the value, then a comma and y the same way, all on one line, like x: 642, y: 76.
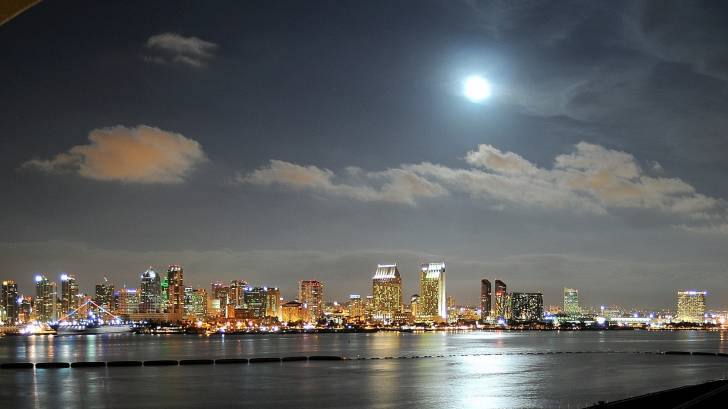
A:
x: 591, y: 179
x: 133, y: 155
x: 177, y: 49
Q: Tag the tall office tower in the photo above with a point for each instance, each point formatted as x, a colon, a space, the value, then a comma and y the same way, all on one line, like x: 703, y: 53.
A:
x: 485, y: 297
x: 356, y: 308
x: 369, y: 307
x: 414, y: 307
x: 219, y: 291
x: 45, y: 299
x: 69, y: 293
x: 151, y: 299
x: 127, y: 301
x: 104, y: 295
x: 165, y: 292
x: 272, y: 302
x: 254, y: 299
x: 195, y: 303
x: 501, y: 304
x: 9, y: 301
x: 236, y: 293
x: 571, y: 302
x: 176, y: 292
x: 527, y: 306
x: 311, y: 295
x: 691, y: 306
x: 433, y: 302
x: 387, y: 292
x: 25, y: 309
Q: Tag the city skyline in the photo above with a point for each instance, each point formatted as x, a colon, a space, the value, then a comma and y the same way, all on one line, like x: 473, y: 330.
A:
x: 593, y: 158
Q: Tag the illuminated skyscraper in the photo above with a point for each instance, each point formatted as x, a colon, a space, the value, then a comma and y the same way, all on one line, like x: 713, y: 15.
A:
x: 501, y: 302
x: 272, y: 302
x: 127, y: 301
x: 691, y: 306
x: 151, y: 299
x: 254, y: 300
x: 9, y: 301
x: 69, y: 293
x: 176, y: 292
x: 195, y: 303
x: 526, y: 306
x: 387, y: 292
x: 433, y: 302
x: 356, y: 308
x: 46, y: 294
x: 236, y: 293
x: 414, y: 307
x: 311, y: 295
x: 485, y: 297
x: 219, y: 291
x: 571, y: 302
x: 104, y: 295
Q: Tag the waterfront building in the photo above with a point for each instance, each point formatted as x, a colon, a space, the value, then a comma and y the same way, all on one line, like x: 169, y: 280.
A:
x: 219, y: 292
x: 195, y: 303
x: 432, y: 302
x: 293, y: 312
x: 46, y: 295
x: 414, y: 307
x: 526, y: 306
x: 311, y: 295
x: 236, y: 293
x: 127, y: 301
x: 254, y: 299
x: 691, y: 306
x: 272, y: 302
x: 485, y: 299
x: 104, y: 295
x: 356, y: 308
x: 69, y: 294
x: 571, y: 302
x: 502, y: 304
x: 9, y: 301
x: 175, y: 292
x: 25, y: 309
x: 151, y: 300
x: 386, y: 293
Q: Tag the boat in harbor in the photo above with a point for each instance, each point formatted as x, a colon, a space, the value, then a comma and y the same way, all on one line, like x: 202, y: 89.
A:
x: 91, y: 327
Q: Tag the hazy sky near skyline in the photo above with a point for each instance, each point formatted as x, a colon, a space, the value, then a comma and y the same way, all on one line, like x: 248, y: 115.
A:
x: 277, y: 141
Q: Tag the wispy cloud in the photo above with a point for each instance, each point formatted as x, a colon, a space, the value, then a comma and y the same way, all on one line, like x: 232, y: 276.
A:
x: 590, y: 179
x: 172, y: 48
x: 135, y: 155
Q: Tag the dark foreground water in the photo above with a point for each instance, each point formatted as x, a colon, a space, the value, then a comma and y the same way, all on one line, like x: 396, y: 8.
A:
x: 608, y: 369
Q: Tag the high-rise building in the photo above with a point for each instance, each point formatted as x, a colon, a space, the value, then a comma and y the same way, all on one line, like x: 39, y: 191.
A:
x: 104, y: 295
x: 236, y: 293
x: 526, y: 306
x: 127, y: 301
x: 414, y: 307
x: 195, y: 303
x: 311, y: 295
x: 9, y: 301
x: 151, y: 299
x: 387, y: 292
x: 254, y: 299
x: 292, y: 312
x: 433, y: 302
x: 485, y: 297
x: 571, y: 302
x: 501, y: 303
x: 691, y: 306
x: 272, y: 302
x: 356, y: 308
x: 176, y: 292
x: 69, y: 294
x: 46, y: 295
x: 25, y: 309
x: 219, y: 291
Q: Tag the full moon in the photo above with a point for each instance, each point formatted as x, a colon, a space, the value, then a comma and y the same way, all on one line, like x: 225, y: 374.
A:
x: 476, y: 88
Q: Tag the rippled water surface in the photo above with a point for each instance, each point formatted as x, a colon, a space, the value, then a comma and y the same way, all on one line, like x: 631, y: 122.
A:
x: 466, y: 370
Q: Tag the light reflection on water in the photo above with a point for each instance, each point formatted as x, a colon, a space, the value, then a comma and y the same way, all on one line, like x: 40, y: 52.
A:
x: 507, y: 380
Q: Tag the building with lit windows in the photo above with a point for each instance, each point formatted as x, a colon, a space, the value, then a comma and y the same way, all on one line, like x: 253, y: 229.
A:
x: 691, y: 306
x: 432, y: 304
x: 526, y: 306
x: 272, y: 302
x: 150, y: 297
x: 219, y: 292
x: 236, y: 294
x: 254, y: 299
x: 311, y: 295
x: 502, y: 303
x: 356, y: 308
x: 127, y: 301
x: 293, y: 312
x: 175, y: 292
x: 104, y: 295
x: 9, y: 301
x: 195, y: 304
x: 386, y: 293
x: 571, y: 302
x: 485, y: 299
x: 46, y: 295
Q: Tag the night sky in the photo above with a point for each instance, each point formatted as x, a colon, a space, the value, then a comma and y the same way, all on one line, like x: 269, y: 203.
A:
x: 273, y: 141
